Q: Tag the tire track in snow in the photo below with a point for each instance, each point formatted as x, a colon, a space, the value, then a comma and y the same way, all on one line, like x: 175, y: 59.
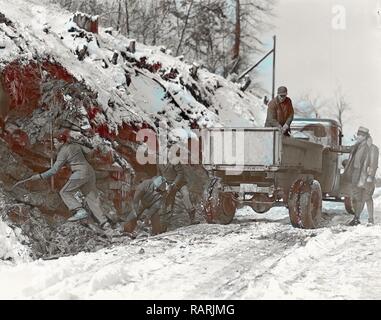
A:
x: 339, y: 263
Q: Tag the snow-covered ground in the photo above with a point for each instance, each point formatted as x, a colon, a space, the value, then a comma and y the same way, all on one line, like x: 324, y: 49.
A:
x: 11, y: 248
x: 255, y: 257
x: 12, y: 243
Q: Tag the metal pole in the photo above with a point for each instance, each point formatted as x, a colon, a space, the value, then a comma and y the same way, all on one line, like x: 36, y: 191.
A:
x: 274, y: 54
x: 51, y: 154
x: 51, y: 128
x: 254, y: 66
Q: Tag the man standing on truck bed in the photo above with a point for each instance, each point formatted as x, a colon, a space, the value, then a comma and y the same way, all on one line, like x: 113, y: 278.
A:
x: 280, y: 112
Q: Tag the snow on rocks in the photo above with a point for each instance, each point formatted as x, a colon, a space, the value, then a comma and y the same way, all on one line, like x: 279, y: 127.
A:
x: 64, y: 40
x: 26, y: 233
x: 11, y: 247
x: 13, y: 244
x: 137, y: 90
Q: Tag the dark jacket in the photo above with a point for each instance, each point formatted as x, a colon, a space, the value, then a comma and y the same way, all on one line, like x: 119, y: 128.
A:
x: 279, y: 113
x: 373, y: 161
x: 356, y: 170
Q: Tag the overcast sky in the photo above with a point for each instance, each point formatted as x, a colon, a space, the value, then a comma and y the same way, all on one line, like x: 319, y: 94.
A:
x: 315, y: 56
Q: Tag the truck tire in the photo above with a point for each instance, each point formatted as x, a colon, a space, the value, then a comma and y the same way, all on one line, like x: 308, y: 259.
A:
x: 227, y: 208
x: 220, y: 208
x: 305, y: 204
x: 261, y: 207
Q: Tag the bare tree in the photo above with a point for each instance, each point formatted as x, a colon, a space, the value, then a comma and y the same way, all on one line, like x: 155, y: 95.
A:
x: 219, y: 34
x: 341, y: 107
x: 250, y: 20
x: 119, y: 15
x: 184, y: 27
x: 237, y: 33
x: 127, y: 23
x: 308, y: 105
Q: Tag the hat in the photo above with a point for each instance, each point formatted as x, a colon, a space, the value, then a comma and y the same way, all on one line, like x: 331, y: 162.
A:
x: 282, y: 90
x: 63, y: 136
x: 363, y: 131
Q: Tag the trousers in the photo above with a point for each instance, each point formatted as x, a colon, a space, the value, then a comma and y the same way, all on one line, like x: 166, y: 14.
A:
x: 89, y: 190
x: 168, y: 213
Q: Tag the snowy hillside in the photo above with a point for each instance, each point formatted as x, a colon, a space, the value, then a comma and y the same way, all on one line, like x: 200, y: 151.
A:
x: 45, y: 31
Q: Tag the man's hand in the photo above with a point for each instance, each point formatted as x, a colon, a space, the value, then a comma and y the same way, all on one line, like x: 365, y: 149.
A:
x: 171, y: 187
x: 285, y: 128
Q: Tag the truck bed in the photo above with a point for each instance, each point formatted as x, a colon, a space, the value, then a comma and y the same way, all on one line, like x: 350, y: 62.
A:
x: 258, y: 149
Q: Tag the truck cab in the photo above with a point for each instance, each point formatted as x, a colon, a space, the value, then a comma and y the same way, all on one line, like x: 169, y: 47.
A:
x: 326, y: 132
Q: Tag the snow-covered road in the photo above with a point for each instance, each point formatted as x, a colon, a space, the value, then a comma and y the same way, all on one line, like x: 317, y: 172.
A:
x: 255, y: 257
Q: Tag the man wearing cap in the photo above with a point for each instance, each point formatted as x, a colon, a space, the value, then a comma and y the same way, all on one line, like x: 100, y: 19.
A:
x: 280, y: 112
x: 360, y: 171
x: 82, y: 179
x: 370, y: 184
x: 148, y: 202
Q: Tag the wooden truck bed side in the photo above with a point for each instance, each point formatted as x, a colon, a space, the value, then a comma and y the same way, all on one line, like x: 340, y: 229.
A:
x: 258, y: 149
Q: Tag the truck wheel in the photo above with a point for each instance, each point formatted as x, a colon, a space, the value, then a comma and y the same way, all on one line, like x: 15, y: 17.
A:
x: 221, y: 209
x: 259, y: 203
x: 227, y: 208
x: 305, y: 204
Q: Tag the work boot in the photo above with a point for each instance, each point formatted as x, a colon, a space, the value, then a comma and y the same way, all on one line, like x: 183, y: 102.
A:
x: 132, y: 235
x: 164, y: 228
x: 79, y: 215
x: 130, y: 226
x: 354, y: 222
x: 105, y: 225
x: 192, y: 216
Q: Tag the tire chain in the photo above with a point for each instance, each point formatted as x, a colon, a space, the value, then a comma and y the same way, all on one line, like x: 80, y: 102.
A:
x: 299, y: 188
